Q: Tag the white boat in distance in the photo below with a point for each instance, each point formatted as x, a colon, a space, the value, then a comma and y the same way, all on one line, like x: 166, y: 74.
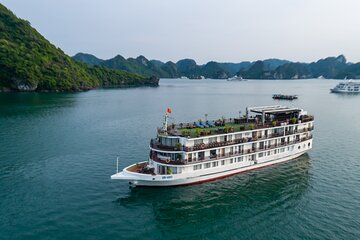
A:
x: 347, y: 87
x: 236, y: 78
x: 189, y: 153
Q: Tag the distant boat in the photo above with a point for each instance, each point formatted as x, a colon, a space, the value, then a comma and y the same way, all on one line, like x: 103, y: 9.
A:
x: 236, y: 78
x: 284, y: 97
x: 183, y: 77
x: 321, y: 77
x: 347, y: 87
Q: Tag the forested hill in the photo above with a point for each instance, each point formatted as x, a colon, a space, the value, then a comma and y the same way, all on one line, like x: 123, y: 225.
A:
x: 184, y: 67
x: 29, y: 62
x: 331, y: 67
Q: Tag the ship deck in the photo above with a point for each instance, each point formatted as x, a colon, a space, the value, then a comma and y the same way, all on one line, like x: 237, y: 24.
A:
x: 137, y: 168
x: 266, y: 117
x: 191, y: 130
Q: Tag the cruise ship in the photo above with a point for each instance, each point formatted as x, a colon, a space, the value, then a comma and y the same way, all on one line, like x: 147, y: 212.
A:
x: 347, y: 87
x: 201, y: 151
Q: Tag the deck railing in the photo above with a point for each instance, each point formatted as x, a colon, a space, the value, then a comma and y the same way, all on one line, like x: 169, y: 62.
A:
x: 174, y: 129
x: 233, y: 154
x: 157, y: 145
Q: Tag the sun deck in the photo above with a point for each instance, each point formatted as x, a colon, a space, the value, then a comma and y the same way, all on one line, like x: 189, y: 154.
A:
x: 265, y: 117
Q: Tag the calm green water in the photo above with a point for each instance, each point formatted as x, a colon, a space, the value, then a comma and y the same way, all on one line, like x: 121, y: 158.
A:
x: 57, y: 152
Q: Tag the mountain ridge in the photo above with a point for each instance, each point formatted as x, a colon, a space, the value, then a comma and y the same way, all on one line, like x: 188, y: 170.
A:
x: 272, y: 68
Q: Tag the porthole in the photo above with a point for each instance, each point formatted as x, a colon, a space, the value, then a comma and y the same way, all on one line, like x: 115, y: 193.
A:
x: 299, y: 147
x: 308, y: 144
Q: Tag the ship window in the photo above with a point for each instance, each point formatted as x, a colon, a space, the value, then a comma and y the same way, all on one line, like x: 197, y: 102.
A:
x: 299, y: 147
x: 268, y: 153
x: 222, y: 162
x: 282, y: 150
x: 261, y: 155
x: 197, y: 167
x: 161, y: 169
x: 308, y: 144
x: 207, y: 165
x: 172, y: 170
x: 231, y: 160
x: 275, y: 151
x: 212, y: 139
x: 215, y: 164
x: 168, y: 141
x: 240, y: 159
x: 238, y: 136
x: 198, y: 141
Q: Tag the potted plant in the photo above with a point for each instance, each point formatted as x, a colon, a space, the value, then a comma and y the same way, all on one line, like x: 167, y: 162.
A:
x: 197, y: 132
x: 178, y: 146
x: 274, y: 123
x: 293, y: 120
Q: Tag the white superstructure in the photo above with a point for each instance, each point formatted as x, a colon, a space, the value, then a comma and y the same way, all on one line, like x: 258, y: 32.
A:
x: 347, y: 87
x: 189, y: 153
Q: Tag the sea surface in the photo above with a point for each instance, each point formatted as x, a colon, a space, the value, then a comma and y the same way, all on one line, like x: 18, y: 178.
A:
x: 58, y: 150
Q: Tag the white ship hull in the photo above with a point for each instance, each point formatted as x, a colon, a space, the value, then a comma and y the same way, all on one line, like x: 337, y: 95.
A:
x: 347, y: 87
x: 205, y: 175
x: 334, y: 90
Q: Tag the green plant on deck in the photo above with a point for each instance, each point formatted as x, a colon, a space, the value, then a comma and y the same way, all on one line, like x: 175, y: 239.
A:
x: 251, y: 126
x: 293, y: 120
x: 169, y: 171
x: 185, y: 133
x: 274, y: 123
x: 178, y: 146
x: 198, y: 132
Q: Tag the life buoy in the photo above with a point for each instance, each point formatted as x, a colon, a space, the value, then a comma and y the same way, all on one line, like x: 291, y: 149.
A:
x: 202, y: 145
x: 167, y: 160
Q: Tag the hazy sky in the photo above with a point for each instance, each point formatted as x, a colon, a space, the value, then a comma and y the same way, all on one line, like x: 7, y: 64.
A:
x: 223, y: 30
